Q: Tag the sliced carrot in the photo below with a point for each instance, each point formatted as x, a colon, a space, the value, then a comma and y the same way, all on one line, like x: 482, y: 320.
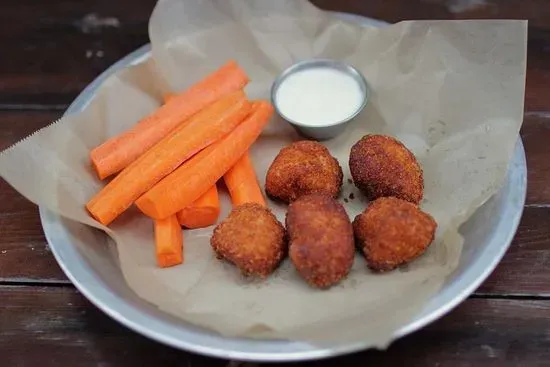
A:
x: 193, y: 178
x: 242, y: 183
x: 206, y: 127
x: 118, y: 152
x: 203, y: 212
x: 168, y: 242
x: 168, y: 96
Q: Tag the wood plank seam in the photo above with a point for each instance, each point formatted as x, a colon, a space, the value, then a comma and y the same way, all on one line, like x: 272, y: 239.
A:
x: 22, y: 284
x: 512, y: 296
x: 24, y: 107
x: 28, y: 282
x: 543, y: 206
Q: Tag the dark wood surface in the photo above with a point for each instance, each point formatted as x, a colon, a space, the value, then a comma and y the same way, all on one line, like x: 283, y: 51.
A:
x: 53, y: 49
x: 57, y: 323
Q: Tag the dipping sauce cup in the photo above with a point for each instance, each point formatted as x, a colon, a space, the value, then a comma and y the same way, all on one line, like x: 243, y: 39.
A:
x: 319, y: 97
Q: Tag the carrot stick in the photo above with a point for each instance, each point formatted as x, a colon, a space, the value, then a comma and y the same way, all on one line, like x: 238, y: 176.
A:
x: 203, y: 212
x: 168, y: 242
x: 118, y: 152
x: 206, y: 127
x: 168, y: 96
x: 195, y: 177
x: 242, y: 183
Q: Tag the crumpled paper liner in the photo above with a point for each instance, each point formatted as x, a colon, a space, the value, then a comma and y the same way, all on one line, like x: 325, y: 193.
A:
x: 452, y: 91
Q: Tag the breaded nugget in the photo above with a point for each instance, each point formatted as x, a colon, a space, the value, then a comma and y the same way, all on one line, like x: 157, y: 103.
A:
x: 392, y: 232
x: 252, y: 239
x: 302, y: 168
x: 382, y: 166
x: 320, y: 239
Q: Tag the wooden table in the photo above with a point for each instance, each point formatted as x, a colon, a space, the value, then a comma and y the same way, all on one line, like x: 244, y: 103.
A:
x: 51, y: 52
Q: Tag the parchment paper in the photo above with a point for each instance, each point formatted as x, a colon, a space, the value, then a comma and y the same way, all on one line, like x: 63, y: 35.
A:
x: 452, y: 91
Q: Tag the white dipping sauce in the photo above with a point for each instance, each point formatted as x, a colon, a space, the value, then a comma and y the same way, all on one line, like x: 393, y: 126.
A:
x: 318, y: 96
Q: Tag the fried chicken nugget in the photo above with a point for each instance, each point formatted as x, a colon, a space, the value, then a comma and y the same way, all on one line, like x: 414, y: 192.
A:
x: 320, y: 239
x: 382, y: 166
x: 302, y: 168
x: 392, y: 232
x: 252, y: 239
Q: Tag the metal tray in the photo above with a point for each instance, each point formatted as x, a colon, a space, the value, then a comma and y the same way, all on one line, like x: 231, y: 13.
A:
x: 96, y: 273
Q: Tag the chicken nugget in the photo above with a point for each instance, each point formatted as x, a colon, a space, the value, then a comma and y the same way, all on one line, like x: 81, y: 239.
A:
x: 302, y: 168
x: 320, y: 239
x: 252, y: 239
x: 382, y: 166
x: 392, y: 232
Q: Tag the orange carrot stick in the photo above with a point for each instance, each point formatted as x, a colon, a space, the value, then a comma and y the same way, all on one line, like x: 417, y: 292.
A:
x: 168, y: 242
x: 242, y: 183
x: 195, y: 177
x: 203, y: 212
x: 206, y: 127
x: 118, y: 152
x: 168, y: 96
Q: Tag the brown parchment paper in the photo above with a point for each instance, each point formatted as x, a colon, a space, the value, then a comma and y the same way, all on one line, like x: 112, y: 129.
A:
x: 452, y: 91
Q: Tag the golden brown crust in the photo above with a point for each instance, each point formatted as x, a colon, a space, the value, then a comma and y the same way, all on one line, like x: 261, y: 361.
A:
x: 320, y: 239
x: 252, y: 239
x: 302, y: 168
x: 392, y: 232
x: 382, y: 166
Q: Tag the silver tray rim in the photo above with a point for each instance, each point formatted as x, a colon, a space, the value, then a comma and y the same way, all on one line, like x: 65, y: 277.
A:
x: 208, y: 343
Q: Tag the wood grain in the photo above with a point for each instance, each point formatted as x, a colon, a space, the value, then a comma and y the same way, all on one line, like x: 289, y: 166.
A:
x: 16, y: 125
x: 53, y: 57
x: 47, y: 326
x: 479, y: 332
x: 24, y: 254
x: 52, y: 326
x: 535, y: 133
x: 525, y: 269
x: 51, y: 52
x: 537, y: 11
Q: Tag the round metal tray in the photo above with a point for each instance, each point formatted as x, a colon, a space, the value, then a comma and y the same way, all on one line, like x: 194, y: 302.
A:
x: 488, y: 235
